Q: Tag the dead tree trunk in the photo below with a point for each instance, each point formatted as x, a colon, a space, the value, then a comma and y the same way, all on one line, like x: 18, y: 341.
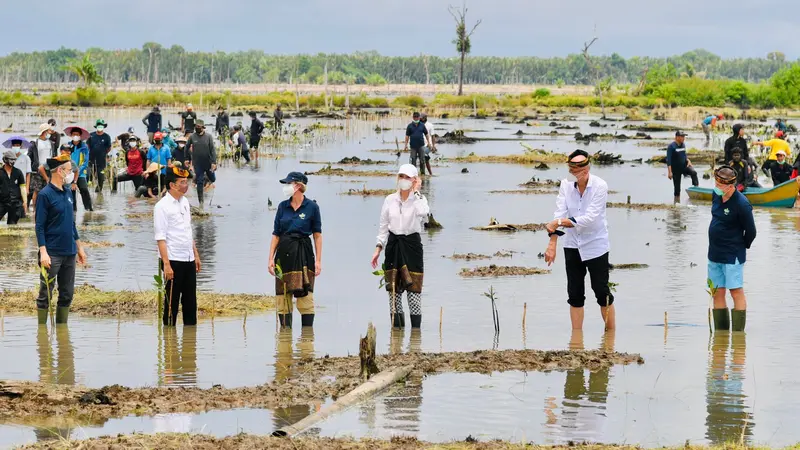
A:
x: 367, y: 354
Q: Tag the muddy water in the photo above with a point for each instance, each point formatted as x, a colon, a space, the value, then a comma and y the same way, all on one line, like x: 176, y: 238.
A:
x: 689, y: 388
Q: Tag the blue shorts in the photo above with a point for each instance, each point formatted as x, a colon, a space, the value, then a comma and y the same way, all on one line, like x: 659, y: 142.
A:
x: 728, y: 276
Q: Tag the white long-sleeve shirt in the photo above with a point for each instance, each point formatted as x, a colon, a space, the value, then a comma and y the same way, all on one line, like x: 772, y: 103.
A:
x: 588, y: 214
x: 172, y: 220
x: 402, y: 217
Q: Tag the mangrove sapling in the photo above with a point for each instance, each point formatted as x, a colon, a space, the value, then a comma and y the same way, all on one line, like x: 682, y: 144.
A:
x: 712, y: 291
x: 287, y: 296
x: 47, y: 283
x: 382, y: 273
x: 495, y: 314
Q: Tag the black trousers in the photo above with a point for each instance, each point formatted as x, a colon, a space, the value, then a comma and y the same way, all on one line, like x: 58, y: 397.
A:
x: 576, y: 274
x: 13, y: 208
x: 83, y: 186
x: 181, y: 289
x: 138, y: 180
x: 96, y: 167
x: 680, y: 172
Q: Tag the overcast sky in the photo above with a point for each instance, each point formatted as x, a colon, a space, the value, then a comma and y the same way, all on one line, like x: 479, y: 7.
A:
x: 733, y: 28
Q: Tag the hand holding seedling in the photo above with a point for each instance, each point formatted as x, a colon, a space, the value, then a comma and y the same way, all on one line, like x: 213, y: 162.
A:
x: 168, y: 272
x: 44, y: 258
x: 271, y: 267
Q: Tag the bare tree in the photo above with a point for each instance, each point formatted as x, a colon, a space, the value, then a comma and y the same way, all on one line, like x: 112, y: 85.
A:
x: 462, y: 40
x: 427, y: 69
x: 594, y: 71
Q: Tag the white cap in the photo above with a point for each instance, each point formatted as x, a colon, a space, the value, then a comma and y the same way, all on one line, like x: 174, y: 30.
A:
x: 408, y: 170
x: 188, y: 105
x: 780, y: 152
x: 44, y: 127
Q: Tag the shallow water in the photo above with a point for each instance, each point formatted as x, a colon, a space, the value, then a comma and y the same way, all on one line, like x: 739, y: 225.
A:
x: 688, y: 388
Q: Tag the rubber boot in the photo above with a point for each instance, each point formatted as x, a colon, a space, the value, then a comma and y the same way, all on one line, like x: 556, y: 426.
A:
x: 416, y: 320
x: 399, y: 320
x: 42, y: 316
x: 307, y: 320
x: 722, y: 319
x: 739, y: 319
x: 285, y: 320
x: 62, y: 313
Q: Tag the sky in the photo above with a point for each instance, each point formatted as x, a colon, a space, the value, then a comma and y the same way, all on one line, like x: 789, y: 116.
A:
x: 544, y: 28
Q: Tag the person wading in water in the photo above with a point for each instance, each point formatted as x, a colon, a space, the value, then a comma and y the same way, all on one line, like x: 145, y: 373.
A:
x: 581, y: 210
x: 296, y: 220
x: 679, y: 165
x: 399, y: 233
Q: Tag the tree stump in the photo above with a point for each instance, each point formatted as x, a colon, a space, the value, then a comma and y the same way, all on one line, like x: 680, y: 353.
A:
x: 367, y: 354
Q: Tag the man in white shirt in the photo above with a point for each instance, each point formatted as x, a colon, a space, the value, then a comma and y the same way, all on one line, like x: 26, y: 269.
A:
x: 428, y: 148
x: 39, y: 152
x: 581, y: 210
x: 173, y: 232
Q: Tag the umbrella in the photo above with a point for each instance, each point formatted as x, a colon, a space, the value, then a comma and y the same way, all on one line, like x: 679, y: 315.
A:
x: 25, y: 143
x: 84, y: 133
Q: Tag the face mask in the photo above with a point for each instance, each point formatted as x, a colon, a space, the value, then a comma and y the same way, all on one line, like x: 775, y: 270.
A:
x: 69, y: 178
x: 572, y: 178
x: 416, y: 122
x: 100, y: 128
x: 719, y: 192
x: 76, y: 138
x: 180, y: 146
x: 198, y: 130
x: 782, y: 162
x: 16, y: 150
x: 52, y: 128
x: 404, y: 184
x: 157, y: 142
x: 288, y: 190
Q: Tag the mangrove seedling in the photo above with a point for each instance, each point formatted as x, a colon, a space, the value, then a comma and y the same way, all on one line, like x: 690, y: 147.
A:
x: 712, y: 291
x: 495, y: 314
x: 287, y: 297
x: 382, y: 273
x: 47, y: 283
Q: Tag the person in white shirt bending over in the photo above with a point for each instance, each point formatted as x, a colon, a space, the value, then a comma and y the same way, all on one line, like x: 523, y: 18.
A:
x: 173, y: 231
x: 581, y: 210
x: 399, y: 233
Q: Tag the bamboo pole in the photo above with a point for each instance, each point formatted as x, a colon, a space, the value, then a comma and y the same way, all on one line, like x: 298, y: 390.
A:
x: 441, y: 313
x: 375, y: 385
x: 524, y: 314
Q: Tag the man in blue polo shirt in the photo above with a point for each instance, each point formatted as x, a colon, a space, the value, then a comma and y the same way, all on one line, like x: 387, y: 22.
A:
x: 730, y: 234
x: 679, y: 165
x: 58, y: 239
x: 417, y: 135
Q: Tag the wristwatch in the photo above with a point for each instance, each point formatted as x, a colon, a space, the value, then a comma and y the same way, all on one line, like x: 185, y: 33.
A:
x: 559, y: 222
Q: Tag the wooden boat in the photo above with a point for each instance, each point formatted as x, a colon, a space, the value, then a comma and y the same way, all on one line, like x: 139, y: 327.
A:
x: 780, y: 196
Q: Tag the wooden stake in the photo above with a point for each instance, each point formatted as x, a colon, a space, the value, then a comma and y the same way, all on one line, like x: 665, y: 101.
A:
x: 524, y: 314
x: 629, y: 199
x: 441, y: 313
x: 665, y: 320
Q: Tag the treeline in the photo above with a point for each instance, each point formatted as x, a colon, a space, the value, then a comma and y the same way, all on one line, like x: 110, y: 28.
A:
x: 154, y: 63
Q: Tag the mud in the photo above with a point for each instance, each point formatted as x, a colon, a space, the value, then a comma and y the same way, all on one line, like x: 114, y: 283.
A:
x: 364, y: 192
x: 538, y: 182
x: 455, y: 137
x: 356, y: 161
x: 92, y: 301
x: 592, y: 137
x: 197, y: 213
x: 101, y: 244
x: 524, y: 191
x: 642, y: 206
x: 501, y: 271
x: 432, y: 224
x: 651, y: 127
x: 314, y: 380
x: 632, y: 266
x: 496, y: 226
x: 695, y: 156
x: 23, y: 231
x: 330, y: 171
x: 478, y: 256
x: 531, y: 156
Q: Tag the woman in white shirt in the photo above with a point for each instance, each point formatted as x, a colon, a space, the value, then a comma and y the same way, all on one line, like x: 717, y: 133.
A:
x: 399, y: 233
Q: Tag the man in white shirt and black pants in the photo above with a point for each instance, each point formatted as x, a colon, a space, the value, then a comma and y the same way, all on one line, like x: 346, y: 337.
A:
x: 581, y: 210
x: 173, y: 232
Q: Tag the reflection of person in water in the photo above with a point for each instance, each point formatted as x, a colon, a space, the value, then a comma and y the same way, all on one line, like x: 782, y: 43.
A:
x: 60, y: 370
x: 284, y: 360
x: 728, y: 416
x: 402, y: 405
x: 180, y: 362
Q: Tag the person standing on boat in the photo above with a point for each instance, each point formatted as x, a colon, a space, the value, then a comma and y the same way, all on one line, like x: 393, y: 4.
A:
x: 581, y: 210
x: 679, y: 165
x: 736, y: 141
x: 58, y: 239
x: 730, y: 234
x: 399, y: 234
x: 172, y: 220
x: 780, y: 170
x: 297, y: 219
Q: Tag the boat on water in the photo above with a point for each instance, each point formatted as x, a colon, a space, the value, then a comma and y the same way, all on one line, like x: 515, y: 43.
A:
x: 780, y: 196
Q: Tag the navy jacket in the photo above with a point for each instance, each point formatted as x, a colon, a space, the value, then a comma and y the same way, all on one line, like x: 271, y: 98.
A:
x: 305, y: 221
x: 732, y: 229
x: 99, y: 146
x: 416, y: 134
x: 55, y: 227
x: 676, y: 155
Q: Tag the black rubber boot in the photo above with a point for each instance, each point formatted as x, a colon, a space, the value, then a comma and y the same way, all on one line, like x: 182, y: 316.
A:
x: 739, y: 319
x: 307, y: 320
x: 722, y: 319
x: 62, y: 313
x: 285, y: 320
x: 399, y: 320
x: 416, y: 321
x: 43, y: 316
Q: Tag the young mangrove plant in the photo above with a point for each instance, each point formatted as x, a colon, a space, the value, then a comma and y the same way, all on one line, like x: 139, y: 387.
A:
x: 381, y: 284
x: 491, y: 295
x: 712, y: 291
x: 47, y: 283
x: 287, y: 296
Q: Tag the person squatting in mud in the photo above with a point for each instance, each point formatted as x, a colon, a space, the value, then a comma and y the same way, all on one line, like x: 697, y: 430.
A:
x: 581, y: 211
x: 172, y: 220
x: 730, y: 234
x: 296, y: 220
x: 57, y: 236
x: 135, y: 160
x: 399, y: 234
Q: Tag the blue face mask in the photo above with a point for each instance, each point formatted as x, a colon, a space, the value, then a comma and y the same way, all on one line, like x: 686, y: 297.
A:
x: 719, y: 192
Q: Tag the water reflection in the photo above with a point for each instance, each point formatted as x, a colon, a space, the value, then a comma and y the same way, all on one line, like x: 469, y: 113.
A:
x: 54, y: 370
x: 205, y: 236
x: 402, y: 407
x: 284, y: 360
x: 729, y: 419
x: 179, y: 359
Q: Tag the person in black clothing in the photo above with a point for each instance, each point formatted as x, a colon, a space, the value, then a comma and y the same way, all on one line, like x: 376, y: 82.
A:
x: 180, y: 153
x: 679, y: 165
x: 741, y: 167
x: 99, y: 143
x: 278, y: 116
x: 736, y: 141
x: 417, y: 136
x: 780, y: 170
x: 12, y: 185
x: 256, y: 128
x: 188, y: 119
x: 55, y: 138
x: 153, y: 122
x: 223, y: 122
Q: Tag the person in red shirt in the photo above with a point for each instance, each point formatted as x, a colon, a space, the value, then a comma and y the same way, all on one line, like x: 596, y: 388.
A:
x: 135, y: 158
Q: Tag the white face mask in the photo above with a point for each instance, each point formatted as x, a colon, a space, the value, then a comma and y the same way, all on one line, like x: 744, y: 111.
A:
x: 16, y: 150
x: 100, y: 128
x: 76, y: 138
x: 288, y: 190
x: 404, y: 184
x: 52, y: 128
x: 572, y: 178
x: 69, y: 178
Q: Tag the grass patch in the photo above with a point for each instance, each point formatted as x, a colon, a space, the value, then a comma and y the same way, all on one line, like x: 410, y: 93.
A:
x: 628, y: 266
x: 501, y: 271
x: 494, y: 225
x: 531, y: 156
x: 641, y: 206
x: 364, y: 192
x: 101, y: 244
x: 338, y: 172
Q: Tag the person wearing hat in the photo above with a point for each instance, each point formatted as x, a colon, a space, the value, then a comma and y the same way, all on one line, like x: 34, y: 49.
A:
x: 135, y: 160
x: 99, y: 144
x: 80, y: 161
x: 58, y: 239
x: 172, y: 220
x: 153, y: 184
x: 581, y: 211
x: 776, y: 144
x: 780, y: 169
x: 188, y: 120
x: 180, y: 154
x: 239, y: 144
x: 709, y: 123
x: 399, y: 234
x: 12, y: 188
x: 39, y: 151
x: 153, y: 122
x: 223, y: 122
x: 731, y: 232
x: 204, y: 158
x: 417, y: 136
x: 23, y: 163
x: 679, y: 165
x: 297, y: 219
x: 256, y: 128
x: 159, y: 153
x: 736, y: 141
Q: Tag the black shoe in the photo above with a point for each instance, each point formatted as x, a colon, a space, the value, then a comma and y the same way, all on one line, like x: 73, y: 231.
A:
x: 285, y: 320
x: 416, y: 320
x: 307, y: 320
x: 399, y: 320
